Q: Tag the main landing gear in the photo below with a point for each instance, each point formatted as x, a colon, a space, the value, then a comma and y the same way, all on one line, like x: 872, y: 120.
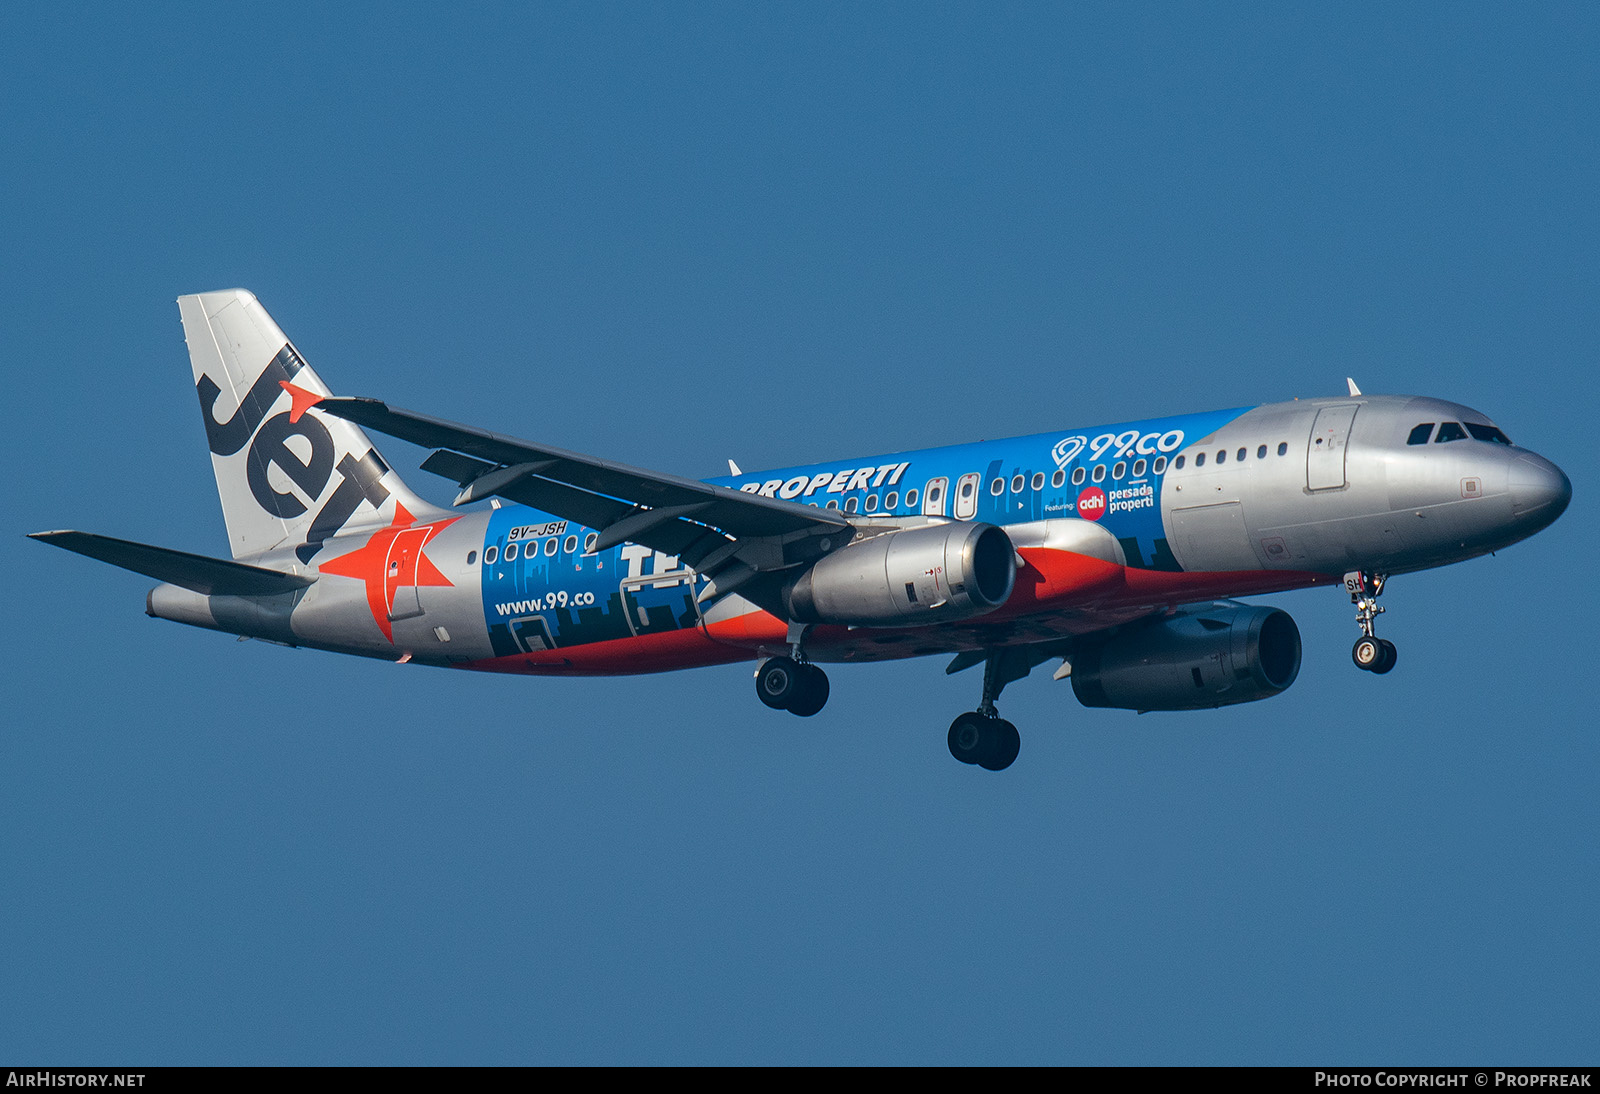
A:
x: 987, y: 740
x: 1370, y: 652
x: 796, y: 686
x: 981, y: 736
x: 792, y: 683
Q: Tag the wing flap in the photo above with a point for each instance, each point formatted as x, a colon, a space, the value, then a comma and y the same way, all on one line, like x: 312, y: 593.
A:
x: 665, y: 532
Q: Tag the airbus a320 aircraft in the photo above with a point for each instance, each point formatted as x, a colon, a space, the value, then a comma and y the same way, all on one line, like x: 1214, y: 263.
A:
x: 1113, y: 549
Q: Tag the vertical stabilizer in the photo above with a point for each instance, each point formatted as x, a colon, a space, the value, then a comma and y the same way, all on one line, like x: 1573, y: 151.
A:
x: 288, y: 475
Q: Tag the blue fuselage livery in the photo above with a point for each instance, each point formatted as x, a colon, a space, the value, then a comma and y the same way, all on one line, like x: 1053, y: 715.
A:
x: 542, y: 588
x: 1045, y: 476
x: 1114, y: 549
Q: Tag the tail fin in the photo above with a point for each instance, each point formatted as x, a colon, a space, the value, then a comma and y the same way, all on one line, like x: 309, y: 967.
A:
x: 287, y: 478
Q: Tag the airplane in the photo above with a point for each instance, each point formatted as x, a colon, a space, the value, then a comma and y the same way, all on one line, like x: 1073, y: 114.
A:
x: 1118, y: 550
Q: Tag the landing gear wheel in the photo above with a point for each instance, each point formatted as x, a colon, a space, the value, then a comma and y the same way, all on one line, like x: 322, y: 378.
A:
x: 778, y: 682
x: 991, y: 743
x: 1389, y: 656
x: 1007, y: 743
x: 783, y: 683
x: 813, y: 693
x: 1376, y: 655
x: 966, y: 736
x: 1366, y: 653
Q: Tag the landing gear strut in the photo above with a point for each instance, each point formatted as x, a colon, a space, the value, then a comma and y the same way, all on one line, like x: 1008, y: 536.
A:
x: 1370, y: 652
x: 792, y: 683
x: 982, y: 737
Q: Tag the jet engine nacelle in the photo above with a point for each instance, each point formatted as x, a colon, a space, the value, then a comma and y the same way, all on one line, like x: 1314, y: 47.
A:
x: 1210, y: 657
x: 909, y: 577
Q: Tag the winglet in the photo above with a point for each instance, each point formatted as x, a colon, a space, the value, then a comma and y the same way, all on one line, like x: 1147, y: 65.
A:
x: 1353, y: 389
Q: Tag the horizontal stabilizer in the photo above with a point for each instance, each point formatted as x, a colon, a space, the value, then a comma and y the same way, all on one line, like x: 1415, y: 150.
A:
x: 207, y: 576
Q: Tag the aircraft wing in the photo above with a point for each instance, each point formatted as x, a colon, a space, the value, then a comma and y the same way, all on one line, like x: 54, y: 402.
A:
x: 712, y: 528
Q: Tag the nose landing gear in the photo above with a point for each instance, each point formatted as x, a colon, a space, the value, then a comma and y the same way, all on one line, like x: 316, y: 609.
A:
x: 1370, y: 652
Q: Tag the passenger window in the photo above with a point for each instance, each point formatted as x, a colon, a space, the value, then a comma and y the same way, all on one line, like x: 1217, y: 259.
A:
x: 490, y: 554
x: 1119, y: 470
x: 1017, y: 483
x: 1078, y: 475
x: 911, y: 499
x: 1038, y: 480
x: 570, y: 545
x: 894, y: 499
x: 1450, y: 431
x: 590, y: 540
x: 1283, y: 448
x: 850, y: 505
x: 1138, y: 468
x: 1199, y: 460
x: 966, y: 489
x: 833, y: 503
x: 872, y: 503
x: 550, y: 546
x: 1222, y: 457
x: 997, y: 487
x: 1239, y: 455
x: 1487, y: 433
x: 1058, y: 478
x: 1179, y: 463
x: 1420, y: 434
x: 1160, y: 465
x: 1261, y: 453
x: 511, y: 552
x: 1099, y: 472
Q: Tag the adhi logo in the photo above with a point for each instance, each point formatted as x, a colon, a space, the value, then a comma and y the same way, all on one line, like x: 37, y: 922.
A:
x: 1092, y: 503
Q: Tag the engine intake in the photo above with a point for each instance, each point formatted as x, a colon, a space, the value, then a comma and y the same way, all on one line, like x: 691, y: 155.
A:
x: 1211, y: 657
x: 909, y: 577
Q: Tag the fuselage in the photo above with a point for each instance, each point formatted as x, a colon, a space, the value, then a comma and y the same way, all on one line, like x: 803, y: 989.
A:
x: 1109, y: 523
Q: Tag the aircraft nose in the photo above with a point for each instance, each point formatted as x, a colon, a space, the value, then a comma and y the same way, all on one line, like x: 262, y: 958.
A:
x: 1539, y: 489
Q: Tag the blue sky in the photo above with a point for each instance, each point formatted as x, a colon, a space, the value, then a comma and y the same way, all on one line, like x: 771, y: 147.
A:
x: 675, y: 234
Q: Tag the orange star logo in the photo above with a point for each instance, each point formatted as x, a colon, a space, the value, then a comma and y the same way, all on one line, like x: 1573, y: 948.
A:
x: 300, y: 400
x: 390, y: 561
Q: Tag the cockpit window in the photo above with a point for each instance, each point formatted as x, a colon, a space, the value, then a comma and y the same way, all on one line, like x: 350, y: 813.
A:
x: 1487, y: 433
x: 1450, y: 431
x: 1420, y: 434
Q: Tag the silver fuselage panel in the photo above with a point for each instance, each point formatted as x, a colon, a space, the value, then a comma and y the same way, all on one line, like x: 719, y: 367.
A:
x: 1351, y: 493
